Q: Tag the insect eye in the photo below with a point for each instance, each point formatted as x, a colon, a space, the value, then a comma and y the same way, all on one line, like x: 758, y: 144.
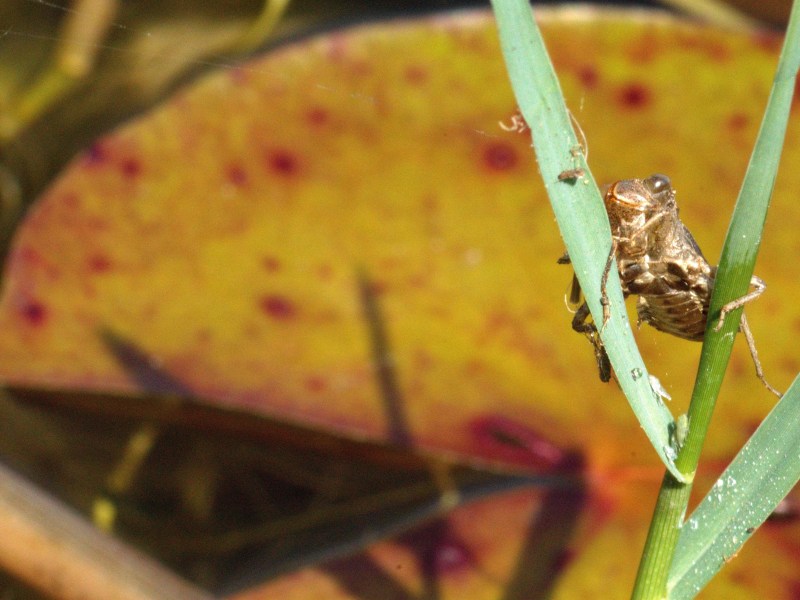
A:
x: 659, y: 183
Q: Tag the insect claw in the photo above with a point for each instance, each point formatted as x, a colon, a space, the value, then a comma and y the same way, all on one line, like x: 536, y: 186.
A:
x: 606, y: 304
x: 759, y: 286
x: 722, y: 314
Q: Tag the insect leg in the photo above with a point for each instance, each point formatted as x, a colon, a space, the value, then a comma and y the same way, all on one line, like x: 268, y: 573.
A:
x: 604, y: 281
x: 751, y: 345
x: 601, y: 356
x: 574, y: 292
x: 759, y: 286
x: 648, y: 225
x: 580, y: 325
x: 575, y: 288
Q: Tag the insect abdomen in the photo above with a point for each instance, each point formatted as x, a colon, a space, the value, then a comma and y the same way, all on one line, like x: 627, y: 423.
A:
x: 681, y: 313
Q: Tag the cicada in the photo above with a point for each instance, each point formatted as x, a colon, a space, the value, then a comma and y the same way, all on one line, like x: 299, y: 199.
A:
x: 659, y: 262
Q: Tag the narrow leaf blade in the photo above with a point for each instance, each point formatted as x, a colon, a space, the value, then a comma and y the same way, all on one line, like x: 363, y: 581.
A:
x: 760, y: 476
x: 579, y: 211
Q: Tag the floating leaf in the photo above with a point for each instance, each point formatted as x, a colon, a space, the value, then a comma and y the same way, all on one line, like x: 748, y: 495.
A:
x: 252, y: 236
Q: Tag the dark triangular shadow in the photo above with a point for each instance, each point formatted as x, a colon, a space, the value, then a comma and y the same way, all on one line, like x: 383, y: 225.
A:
x: 545, y: 554
x: 383, y: 362
x: 142, y: 369
x: 416, y: 519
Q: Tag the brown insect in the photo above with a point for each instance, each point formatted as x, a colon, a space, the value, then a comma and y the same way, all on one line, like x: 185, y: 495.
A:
x: 571, y: 174
x: 660, y: 262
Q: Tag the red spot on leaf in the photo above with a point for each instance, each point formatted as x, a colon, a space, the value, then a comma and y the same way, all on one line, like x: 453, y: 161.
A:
x: 69, y: 200
x: 634, y: 96
x: 450, y: 556
x: 416, y: 74
x: 423, y: 360
x: 713, y: 49
x: 34, y: 312
x: 792, y: 589
x: 430, y: 204
x: 718, y: 51
x: 131, y: 167
x: 278, y: 307
x: 504, y: 439
x: 337, y: 47
x: 738, y: 121
x: 377, y: 287
x: 96, y: 155
x: 474, y: 367
x: 271, y: 264
x: 282, y: 162
x: 236, y: 175
x: 324, y: 272
x: 749, y: 429
x: 317, y: 116
x: 316, y: 384
x: 789, y: 364
x: 766, y: 41
x: 419, y: 280
x: 99, y: 263
x: 738, y: 367
x: 588, y: 77
x: 500, y: 157
x: 238, y: 75
x: 643, y: 49
x: 31, y: 256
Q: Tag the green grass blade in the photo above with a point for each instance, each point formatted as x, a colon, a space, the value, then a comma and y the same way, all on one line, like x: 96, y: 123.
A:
x: 579, y: 210
x: 760, y: 476
x: 732, y: 281
x: 742, y: 242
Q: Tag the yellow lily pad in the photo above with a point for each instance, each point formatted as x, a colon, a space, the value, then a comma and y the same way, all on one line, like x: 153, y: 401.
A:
x: 265, y: 233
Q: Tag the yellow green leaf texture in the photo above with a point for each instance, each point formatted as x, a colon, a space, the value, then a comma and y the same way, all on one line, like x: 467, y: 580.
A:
x: 343, y: 234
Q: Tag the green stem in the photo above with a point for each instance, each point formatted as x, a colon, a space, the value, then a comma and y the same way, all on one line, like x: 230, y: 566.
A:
x: 732, y: 281
x: 651, y: 580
